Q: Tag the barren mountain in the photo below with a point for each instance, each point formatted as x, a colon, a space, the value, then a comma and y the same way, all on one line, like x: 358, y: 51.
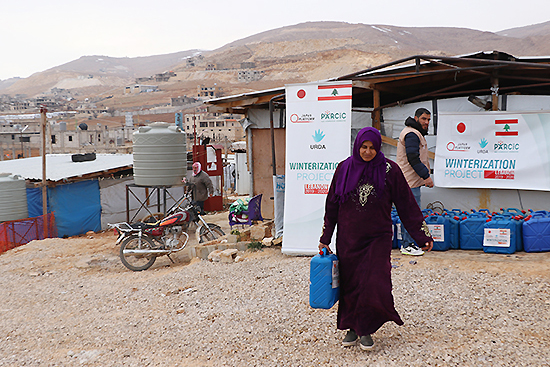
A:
x: 8, y: 82
x: 101, y: 72
x: 535, y: 30
x: 299, y: 53
x: 450, y: 40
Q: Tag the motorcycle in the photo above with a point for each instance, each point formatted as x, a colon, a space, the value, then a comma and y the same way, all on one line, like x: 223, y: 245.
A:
x: 142, y: 242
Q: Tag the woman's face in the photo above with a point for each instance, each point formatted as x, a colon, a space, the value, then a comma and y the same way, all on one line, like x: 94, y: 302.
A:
x: 367, y: 151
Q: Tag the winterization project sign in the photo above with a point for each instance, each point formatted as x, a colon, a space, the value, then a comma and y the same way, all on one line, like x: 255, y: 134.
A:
x: 493, y: 150
x: 318, y: 130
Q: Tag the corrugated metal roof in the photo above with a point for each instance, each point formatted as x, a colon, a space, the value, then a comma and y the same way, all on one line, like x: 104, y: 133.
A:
x: 424, y: 77
x: 241, y: 96
x: 61, y: 166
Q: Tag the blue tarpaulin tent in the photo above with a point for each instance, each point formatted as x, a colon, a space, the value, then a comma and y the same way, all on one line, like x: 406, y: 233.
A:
x: 77, y: 206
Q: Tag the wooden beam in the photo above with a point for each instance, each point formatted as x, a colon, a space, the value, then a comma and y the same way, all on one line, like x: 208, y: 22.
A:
x: 494, y: 94
x: 376, y: 113
x: 394, y: 142
x: 43, y: 122
x: 239, y: 103
x: 362, y: 84
x: 389, y: 141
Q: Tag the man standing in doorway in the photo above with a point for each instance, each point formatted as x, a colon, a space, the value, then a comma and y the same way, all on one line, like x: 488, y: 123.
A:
x: 202, y: 186
x: 412, y: 158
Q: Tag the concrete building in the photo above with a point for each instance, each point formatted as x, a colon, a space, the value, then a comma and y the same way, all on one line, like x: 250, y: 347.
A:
x: 209, y: 92
x: 20, y: 136
x: 250, y: 75
x: 181, y: 101
x: 140, y: 88
x: 248, y: 65
x: 218, y: 127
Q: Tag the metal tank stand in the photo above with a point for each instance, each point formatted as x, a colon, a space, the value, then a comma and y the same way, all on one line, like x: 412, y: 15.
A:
x: 161, y: 194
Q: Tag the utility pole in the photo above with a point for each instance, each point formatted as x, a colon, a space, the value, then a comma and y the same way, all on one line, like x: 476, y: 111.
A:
x: 194, y: 129
x: 44, y: 182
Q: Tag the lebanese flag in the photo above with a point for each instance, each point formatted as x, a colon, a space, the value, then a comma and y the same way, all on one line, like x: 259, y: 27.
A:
x: 334, y: 92
x: 507, y: 127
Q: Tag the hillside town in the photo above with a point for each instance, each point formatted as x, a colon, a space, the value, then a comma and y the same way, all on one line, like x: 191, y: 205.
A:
x: 86, y: 126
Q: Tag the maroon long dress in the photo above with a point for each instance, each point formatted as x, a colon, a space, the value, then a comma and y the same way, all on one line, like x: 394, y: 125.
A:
x: 363, y: 247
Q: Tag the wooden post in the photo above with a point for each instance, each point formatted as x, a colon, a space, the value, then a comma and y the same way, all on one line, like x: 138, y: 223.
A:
x: 484, y: 193
x: 494, y: 94
x: 377, y: 113
x: 44, y: 181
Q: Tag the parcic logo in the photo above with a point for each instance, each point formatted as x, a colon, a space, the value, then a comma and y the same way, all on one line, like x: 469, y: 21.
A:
x: 502, y: 147
x: 333, y: 116
x: 318, y: 136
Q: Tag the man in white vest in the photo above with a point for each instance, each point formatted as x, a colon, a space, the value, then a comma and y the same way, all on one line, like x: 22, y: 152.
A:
x: 412, y: 158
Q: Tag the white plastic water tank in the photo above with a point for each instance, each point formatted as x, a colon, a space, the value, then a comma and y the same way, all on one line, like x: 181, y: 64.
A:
x: 160, y: 155
x: 13, y: 197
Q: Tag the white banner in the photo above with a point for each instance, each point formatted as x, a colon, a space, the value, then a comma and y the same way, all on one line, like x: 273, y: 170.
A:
x: 318, y: 133
x: 493, y: 150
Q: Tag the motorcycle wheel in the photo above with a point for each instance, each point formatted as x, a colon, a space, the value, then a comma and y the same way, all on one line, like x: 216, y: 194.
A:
x: 204, y: 235
x: 137, y: 262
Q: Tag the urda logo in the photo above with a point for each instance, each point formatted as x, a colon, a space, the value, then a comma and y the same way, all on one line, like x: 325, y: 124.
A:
x: 317, y: 137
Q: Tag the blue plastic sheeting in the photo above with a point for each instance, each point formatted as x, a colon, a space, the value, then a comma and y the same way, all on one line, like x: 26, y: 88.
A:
x: 77, y: 207
x: 34, y: 202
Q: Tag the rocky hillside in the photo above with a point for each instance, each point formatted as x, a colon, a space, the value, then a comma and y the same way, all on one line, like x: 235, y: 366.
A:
x: 535, y: 30
x: 299, y: 53
x: 95, y: 73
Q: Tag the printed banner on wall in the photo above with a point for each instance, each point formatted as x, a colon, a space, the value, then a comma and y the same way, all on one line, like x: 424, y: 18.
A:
x: 318, y: 130
x: 493, y: 150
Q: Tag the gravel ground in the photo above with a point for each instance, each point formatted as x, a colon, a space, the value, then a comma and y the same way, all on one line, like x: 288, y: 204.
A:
x: 70, y: 302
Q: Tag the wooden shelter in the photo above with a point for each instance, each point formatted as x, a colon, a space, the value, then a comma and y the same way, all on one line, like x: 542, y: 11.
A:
x: 421, y: 78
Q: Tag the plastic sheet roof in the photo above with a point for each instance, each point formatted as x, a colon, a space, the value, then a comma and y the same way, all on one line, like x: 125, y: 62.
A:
x: 60, y: 167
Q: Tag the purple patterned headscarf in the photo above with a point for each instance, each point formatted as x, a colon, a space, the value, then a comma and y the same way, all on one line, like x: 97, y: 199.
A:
x: 354, y: 168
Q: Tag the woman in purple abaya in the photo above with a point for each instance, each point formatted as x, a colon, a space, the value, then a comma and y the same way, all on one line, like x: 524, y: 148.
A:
x: 360, y: 200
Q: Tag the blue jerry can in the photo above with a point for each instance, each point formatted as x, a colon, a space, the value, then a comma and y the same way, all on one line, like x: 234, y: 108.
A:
x: 398, y: 233
x: 453, y: 221
x: 472, y: 231
x: 324, y: 287
x: 518, y: 216
x: 513, y: 211
x: 500, y: 235
x: 536, y: 233
x: 518, y: 221
x: 440, y: 232
x: 394, y: 229
x: 399, y: 228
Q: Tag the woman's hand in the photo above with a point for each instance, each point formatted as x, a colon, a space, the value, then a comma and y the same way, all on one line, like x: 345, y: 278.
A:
x: 428, y: 246
x: 322, y: 246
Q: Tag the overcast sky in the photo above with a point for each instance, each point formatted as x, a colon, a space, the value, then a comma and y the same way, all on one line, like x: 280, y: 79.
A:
x: 38, y: 35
